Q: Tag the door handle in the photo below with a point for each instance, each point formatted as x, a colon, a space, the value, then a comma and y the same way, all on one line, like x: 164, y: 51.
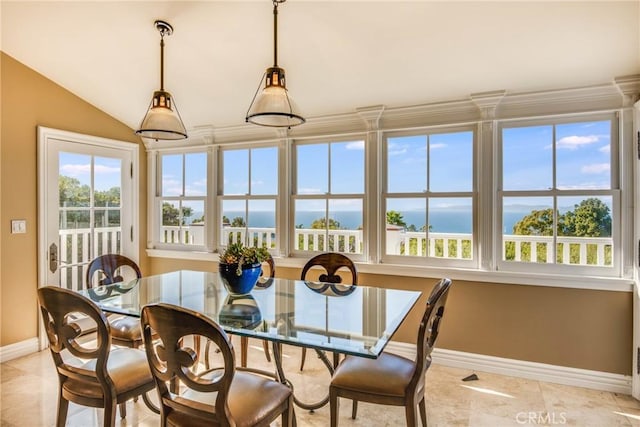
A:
x: 53, y: 257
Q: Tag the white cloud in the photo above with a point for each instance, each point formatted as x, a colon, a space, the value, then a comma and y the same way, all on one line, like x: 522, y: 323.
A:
x: 355, y: 145
x: 605, y: 149
x: 574, y: 142
x: 78, y: 170
x: 438, y: 145
x: 396, y: 149
x: 596, y: 168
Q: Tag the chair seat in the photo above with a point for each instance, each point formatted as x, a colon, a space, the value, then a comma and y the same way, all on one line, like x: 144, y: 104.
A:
x: 388, y: 375
x: 125, y: 328
x: 128, y: 368
x: 252, y: 400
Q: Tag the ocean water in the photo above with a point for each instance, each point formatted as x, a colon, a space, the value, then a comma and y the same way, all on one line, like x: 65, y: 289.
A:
x: 445, y: 221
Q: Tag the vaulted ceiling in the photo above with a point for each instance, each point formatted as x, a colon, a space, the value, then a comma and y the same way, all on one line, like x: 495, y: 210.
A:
x: 339, y: 55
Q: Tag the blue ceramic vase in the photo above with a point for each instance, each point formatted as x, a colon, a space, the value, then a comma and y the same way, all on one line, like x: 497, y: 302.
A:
x: 239, y: 284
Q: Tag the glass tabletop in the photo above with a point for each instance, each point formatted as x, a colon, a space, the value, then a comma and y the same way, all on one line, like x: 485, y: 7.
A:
x: 358, y: 320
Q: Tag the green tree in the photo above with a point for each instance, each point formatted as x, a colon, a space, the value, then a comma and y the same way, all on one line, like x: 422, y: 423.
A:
x: 321, y: 223
x: 537, y: 223
x: 395, y: 218
x: 238, y: 222
x: 171, y: 214
x: 72, y: 193
x: 590, y: 218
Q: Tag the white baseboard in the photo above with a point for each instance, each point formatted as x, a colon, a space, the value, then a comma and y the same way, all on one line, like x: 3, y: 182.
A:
x: 19, y: 349
x: 597, y: 380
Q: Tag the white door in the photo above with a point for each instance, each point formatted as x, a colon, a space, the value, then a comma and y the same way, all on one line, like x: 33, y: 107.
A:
x: 88, y: 204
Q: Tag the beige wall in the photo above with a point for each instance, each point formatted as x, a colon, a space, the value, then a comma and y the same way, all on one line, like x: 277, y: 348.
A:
x: 584, y: 329
x: 567, y: 327
x: 30, y: 100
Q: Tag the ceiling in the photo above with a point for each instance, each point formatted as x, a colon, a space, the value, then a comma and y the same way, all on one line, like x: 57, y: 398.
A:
x: 339, y: 55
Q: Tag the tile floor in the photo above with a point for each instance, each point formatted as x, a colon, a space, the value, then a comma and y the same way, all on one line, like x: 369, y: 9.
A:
x: 29, y: 398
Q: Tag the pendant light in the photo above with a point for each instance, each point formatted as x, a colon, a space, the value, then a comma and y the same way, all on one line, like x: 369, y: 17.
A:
x: 273, y: 106
x: 162, y: 120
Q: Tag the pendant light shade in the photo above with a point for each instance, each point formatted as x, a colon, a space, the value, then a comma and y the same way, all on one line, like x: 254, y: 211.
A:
x: 273, y: 106
x: 162, y: 120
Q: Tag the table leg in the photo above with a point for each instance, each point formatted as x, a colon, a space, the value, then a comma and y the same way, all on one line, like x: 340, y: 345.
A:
x: 277, y: 357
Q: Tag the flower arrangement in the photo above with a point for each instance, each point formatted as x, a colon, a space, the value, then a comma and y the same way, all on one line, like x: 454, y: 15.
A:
x: 243, y: 256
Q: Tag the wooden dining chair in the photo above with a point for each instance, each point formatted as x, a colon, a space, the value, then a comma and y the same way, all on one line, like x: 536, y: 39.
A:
x: 113, y: 268
x: 391, y: 379
x: 96, y: 375
x: 331, y: 262
x: 223, y: 395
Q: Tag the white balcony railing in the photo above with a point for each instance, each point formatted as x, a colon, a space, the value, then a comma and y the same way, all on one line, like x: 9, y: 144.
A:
x: 593, y: 251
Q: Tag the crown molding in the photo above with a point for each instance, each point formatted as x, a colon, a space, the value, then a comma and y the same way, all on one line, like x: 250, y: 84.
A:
x: 629, y: 87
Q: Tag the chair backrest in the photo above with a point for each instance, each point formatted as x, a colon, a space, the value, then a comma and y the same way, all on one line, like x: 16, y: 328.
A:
x: 58, y: 307
x: 170, y: 358
x: 331, y: 262
x: 430, y: 326
x: 108, y: 269
x: 266, y: 281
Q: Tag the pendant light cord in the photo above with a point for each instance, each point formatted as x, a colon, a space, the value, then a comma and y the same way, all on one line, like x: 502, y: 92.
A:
x: 275, y: 33
x: 162, y: 60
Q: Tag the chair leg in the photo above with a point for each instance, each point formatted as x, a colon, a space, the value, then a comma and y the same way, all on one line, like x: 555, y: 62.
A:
x: 123, y: 410
x: 334, y: 407
x: 110, y: 414
x: 288, y: 417
x: 63, y: 407
x: 304, y: 356
x: 244, y: 344
x: 354, y: 409
x: 423, y: 411
x: 410, y: 414
x: 265, y: 346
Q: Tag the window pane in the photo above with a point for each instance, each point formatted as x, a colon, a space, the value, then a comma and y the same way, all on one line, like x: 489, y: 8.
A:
x: 450, y: 228
x: 527, y: 158
x: 193, y: 222
x: 407, y: 164
x: 171, y: 218
x: 172, y: 175
x: 345, y: 226
x: 106, y: 181
x: 236, y: 172
x: 451, y: 162
x: 107, y: 233
x: 262, y: 223
x: 195, y: 174
x: 312, y: 169
x: 406, y: 230
x: 583, y: 155
x: 264, y: 171
x: 310, y: 225
x: 347, y: 167
x: 74, y: 180
x: 234, y: 222
x: 528, y: 226
x: 584, y: 231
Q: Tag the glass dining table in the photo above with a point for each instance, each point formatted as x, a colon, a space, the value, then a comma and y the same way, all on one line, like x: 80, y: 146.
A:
x: 326, y: 317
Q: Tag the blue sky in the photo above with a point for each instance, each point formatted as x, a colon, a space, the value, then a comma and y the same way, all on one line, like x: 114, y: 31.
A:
x: 107, y: 170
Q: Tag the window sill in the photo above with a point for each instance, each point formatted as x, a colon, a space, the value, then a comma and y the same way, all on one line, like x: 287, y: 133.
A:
x: 515, y: 278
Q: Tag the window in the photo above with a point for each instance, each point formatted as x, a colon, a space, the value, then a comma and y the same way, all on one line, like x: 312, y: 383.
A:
x: 560, y: 198
x: 248, y: 201
x: 329, y: 197
x: 429, y: 199
x: 182, y: 201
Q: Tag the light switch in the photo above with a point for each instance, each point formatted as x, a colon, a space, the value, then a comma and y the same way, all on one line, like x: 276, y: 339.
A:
x: 18, y: 226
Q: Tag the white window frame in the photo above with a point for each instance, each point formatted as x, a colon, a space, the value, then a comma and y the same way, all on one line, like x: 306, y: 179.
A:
x: 426, y: 260
x: 328, y: 196
x: 615, y: 192
x: 281, y: 235
x: 156, y: 199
